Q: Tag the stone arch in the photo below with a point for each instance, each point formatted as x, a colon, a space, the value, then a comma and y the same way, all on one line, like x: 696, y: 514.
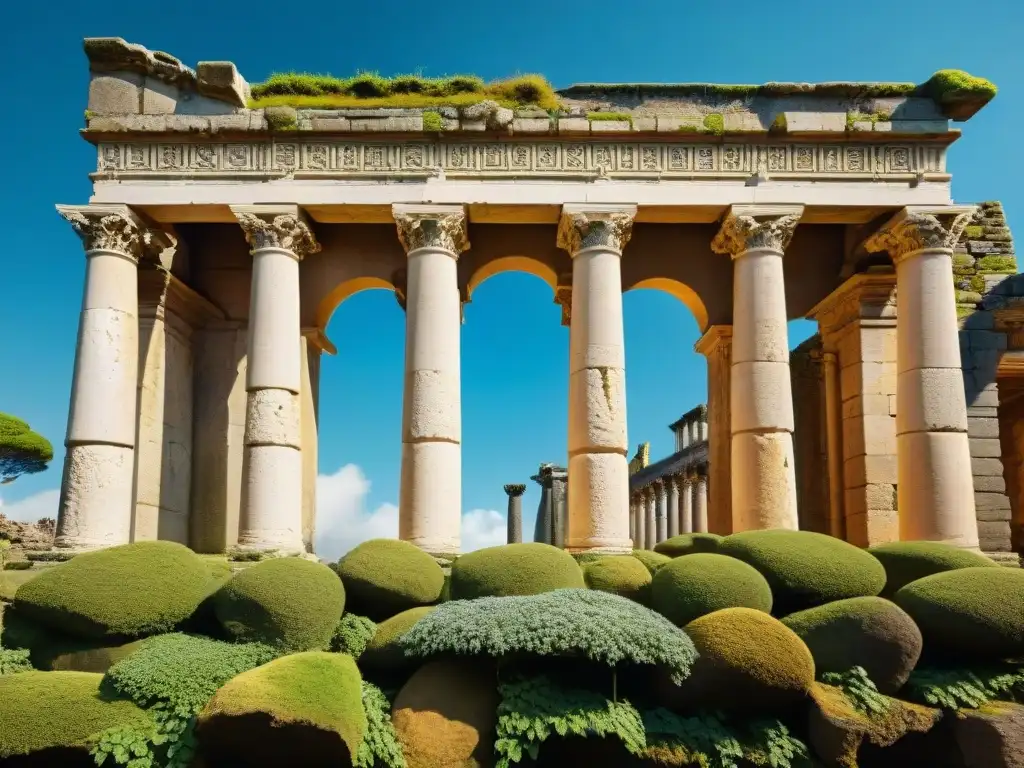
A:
x: 343, y: 290
x: 501, y: 264
x: 681, y: 291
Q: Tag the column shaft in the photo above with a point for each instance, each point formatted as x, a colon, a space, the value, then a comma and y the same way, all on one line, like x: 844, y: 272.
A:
x: 700, y: 504
x: 716, y: 346
x: 686, y: 505
x: 650, y: 518
x: 640, y: 537
x: 515, y: 513
x: 673, y: 506
x: 661, y: 494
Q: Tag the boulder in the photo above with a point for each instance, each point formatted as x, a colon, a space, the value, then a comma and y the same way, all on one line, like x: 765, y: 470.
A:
x: 383, y: 577
x: 991, y: 736
x: 907, y: 561
x: 384, y: 651
x: 689, y: 587
x: 621, y: 575
x: 688, y: 544
x: 513, y: 569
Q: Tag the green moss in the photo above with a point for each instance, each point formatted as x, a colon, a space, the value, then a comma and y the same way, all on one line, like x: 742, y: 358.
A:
x: 963, y: 312
x: 908, y: 561
x: 281, y: 118
x: 967, y: 297
x: 690, y: 587
x: 42, y: 711
x: 128, y: 591
x: 624, y: 117
x: 977, y: 284
x: 384, y: 651
x: 867, y: 632
x: 306, y: 703
x: 652, y: 560
x: 383, y: 577
x: 620, y: 575
x: 352, y: 634
x: 997, y: 264
x: 866, y: 117
x: 974, y: 232
x: 806, y: 569
x: 432, y: 121
x: 951, y: 84
x: 969, y: 612
x: 688, y: 544
x: 714, y: 123
x: 779, y: 124
x: 513, y: 569
x: 288, y: 602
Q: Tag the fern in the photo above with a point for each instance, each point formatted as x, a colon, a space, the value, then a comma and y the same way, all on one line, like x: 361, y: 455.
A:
x: 380, y: 747
x: 965, y: 688
x: 769, y: 743
x: 859, y: 689
x: 127, y: 745
x: 534, y: 709
x: 14, y: 660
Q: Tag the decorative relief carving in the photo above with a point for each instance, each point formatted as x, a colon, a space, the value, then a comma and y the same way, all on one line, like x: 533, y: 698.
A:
x: 445, y: 230
x: 745, y: 232
x: 105, y: 230
x: 285, y: 231
x: 911, y: 231
x: 608, y: 228
x: 504, y: 158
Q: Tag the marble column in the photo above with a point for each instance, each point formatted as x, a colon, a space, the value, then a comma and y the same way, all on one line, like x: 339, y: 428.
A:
x: 515, y: 493
x: 935, y: 487
x: 673, y: 505
x: 271, y: 514
x: 640, y: 539
x: 594, y: 236
x: 700, y: 502
x: 763, y: 476
x: 430, y: 496
x: 650, y: 517
x: 559, y: 506
x: 686, y: 503
x: 97, y: 494
x: 661, y: 511
x: 716, y: 346
x: 545, y: 510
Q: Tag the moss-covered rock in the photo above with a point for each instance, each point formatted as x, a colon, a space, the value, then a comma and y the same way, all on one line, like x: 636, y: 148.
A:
x: 805, y: 569
x: 688, y: 544
x: 652, y: 560
x: 383, y: 577
x: 307, y: 704
x: 747, y: 662
x: 287, y: 602
x: 868, y: 632
x: 693, y: 586
x: 52, y: 650
x: 907, y: 561
x: 53, y: 714
x: 970, y: 612
x: 384, y: 652
x: 621, y: 575
x: 514, y: 569
x: 446, y: 714
x: 122, y: 592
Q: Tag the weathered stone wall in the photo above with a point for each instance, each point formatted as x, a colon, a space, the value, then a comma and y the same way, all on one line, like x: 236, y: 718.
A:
x: 810, y: 446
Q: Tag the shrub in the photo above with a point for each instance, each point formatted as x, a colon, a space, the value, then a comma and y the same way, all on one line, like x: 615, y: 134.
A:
x: 690, y: 587
x: 58, y: 711
x: 688, y: 544
x: 306, y: 703
x: 13, y: 661
x: 380, y: 747
x: 972, y: 612
x: 445, y: 714
x: 621, y: 575
x: 513, y: 569
x: 806, y: 569
x: 907, y: 561
x: 288, y: 602
x: 384, y: 651
x: 867, y: 632
x: 383, y: 577
x: 22, y: 451
x: 748, y: 661
x: 127, y: 591
x: 18, y: 565
x: 652, y: 560
x: 603, y: 628
x: 352, y: 634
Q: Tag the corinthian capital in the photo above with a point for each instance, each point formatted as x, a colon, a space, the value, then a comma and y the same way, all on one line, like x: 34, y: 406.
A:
x: 752, y: 227
x: 107, y: 228
x: 917, y: 228
x: 595, y: 226
x: 515, y: 489
x: 432, y: 226
x: 272, y: 226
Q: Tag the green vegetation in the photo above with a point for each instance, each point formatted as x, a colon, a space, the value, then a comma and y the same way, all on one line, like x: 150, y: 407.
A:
x: 432, y: 121
x: 907, y: 561
x: 309, y: 703
x: 126, y: 592
x: 997, y: 264
x: 974, y: 232
x: 690, y: 587
x: 352, y: 635
x: 861, y: 117
x: 688, y: 544
x: 864, y: 632
x: 568, y: 622
x: 620, y: 575
x: 949, y: 85
x: 621, y: 117
x: 281, y: 118
x: 806, y: 569
x: 714, y: 123
x: 287, y: 602
x: 384, y: 651
x: 513, y: 569
x: 652, y: 560
x: 383, y: 577
x: 380, y: 747
x: 953, y: 688
x: 22, y: 451
x: 56, y: 711
x: 14, y: 660
x: 860, y: 689
x: 969, y: 612
x: 367, y: 90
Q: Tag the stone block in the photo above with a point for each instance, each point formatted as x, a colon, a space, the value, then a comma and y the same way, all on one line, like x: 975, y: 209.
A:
x: 610, y: 126
x: 331, y: 124
x: 982, y: 391
x: 531, y: 112
x: 742, y: 122
x: 673, y: 123
x: 473, y: 125
x: 986, y: 467
x: 993, y: 534
x: 870, y: 469
x: 115, y: 93
x: 990, y: 484
x: 815, y: 122
x: 983, y: 428
x: 531, y: 125
x: 239, y: 122
x: 984, y: 246
x: 985, y: 447
x: 220, y: 80
x: 882, y: 126
x: 645, y: 124
x: 387, y: 125
x: 863, y: 125
x: 568, y: 125
x: 159, y: 98
x: 187, y: 123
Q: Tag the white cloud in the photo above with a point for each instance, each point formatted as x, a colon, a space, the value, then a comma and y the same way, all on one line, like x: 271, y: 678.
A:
x: 32, y: 508
x: 482, y: 528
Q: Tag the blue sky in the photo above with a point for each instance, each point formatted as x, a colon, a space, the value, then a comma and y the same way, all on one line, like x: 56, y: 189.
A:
x: 514, y: 351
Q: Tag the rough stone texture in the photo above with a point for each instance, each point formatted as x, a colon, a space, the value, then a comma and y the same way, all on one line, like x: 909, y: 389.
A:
x: 220, y: 80
x: 115, y: 93
x: 991, y: 736
x: 273, y: 418
x: 810, y: 450
x: 27, y: 537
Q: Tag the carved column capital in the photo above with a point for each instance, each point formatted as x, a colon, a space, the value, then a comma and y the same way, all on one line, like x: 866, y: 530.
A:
x: 918, y: 228
x: 757, y: 227
x: 563, y: 297
x: 283, y: 227
x: 432, y: 226
x: 585, y: 226
x: 107, y: 228
x: 515, y: 489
